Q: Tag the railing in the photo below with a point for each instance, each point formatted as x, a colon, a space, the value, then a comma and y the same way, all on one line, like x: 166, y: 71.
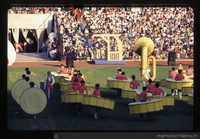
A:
x: 114, y: 56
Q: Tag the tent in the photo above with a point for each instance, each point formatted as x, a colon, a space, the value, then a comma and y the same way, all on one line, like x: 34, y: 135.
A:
x: 11, y: 54
x: 36, y: 23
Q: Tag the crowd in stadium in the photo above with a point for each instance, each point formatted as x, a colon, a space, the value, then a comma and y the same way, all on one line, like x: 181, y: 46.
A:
x: 170, y: 28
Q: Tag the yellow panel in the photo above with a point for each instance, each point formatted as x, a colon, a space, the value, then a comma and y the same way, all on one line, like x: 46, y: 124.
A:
x: 157, y: 106
x: 190, y: 100
x: 87, y: 100
x: 150, y: 107
x: 131, y: 109
x: 174, y: 85
x: 73, y: 98
x: 121, y: 84
x: 56, y: 78
x: 62, y: 80
x: 108, y: 83
x: 62, y: 97
x: 164, y: 100
x: 131, y: 94
x: 112, y: 105
x: 79, y: 98
x: 161, y: 105
x: 100, y: 102
x: 126, y: 84
x: 93, y: 101
x: 143, y: 108
x: 115, y: 84
x: 136, y: 109
x: 68, y: 98
x: 137, y: 97
x: 170, y: 101
x: 84, y: 100
x: 163, y: 82
x: 123, y: 93
x: 107, y: 104
x: 111, y: 83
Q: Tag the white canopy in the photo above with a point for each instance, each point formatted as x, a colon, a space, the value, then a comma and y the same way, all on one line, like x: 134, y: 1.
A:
x: 37, y: 23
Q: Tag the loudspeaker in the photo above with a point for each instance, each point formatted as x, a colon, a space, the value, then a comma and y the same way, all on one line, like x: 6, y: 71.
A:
x: 171, y: 59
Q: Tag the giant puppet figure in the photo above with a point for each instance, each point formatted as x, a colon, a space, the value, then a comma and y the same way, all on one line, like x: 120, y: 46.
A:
x: 144, y: 47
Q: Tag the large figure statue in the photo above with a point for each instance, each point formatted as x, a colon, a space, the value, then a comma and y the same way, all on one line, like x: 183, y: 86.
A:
x: 144, y: 47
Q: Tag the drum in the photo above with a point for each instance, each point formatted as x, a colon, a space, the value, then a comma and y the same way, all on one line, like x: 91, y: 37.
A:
x: 186, y: 90
x: 128, y: 93
x: 68, y: 81
x: 15, y: 85
x: 163, y: 82
x: 112, y: 82
x: 173, y: 84
x: 166, y: 100
x: 57, y: 77
x: 124, y: 84
x: 188, y: 76
x: 145, y: 107
x: 190, y: 99
x: 62, y: 80
x: 98, y: 102
x: 72, y: 97
x: 19, y: 89
x: 64, y: 86
x: 33, y: 100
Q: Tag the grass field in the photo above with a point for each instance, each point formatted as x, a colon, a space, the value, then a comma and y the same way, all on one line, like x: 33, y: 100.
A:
x: 63, y: 116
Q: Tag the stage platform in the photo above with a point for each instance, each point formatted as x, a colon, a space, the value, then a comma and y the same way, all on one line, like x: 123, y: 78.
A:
x: 106, y: 62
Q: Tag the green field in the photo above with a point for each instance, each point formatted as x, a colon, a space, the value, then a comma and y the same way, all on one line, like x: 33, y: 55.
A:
x: 63, y: 116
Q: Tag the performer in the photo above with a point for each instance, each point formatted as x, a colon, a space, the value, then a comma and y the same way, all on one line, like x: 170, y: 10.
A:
x: 80, y: 77
x: 74, y: 85
x: 119, y: 73
x: 123, y: 77
x: 134, y: 83
x: 48, y: 83
x: 62, y: 70
x: 189, y: 71
x: 179, y: 77
x: 143, y: 98
x: 96, y: 93
x: 173, y: 74
x: 180, y: 67
x: 81, y: 89
x: 157, y: 90
x: 150, y: 86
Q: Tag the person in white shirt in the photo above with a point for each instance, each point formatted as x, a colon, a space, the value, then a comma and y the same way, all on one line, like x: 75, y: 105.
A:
x: 48, y: 84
